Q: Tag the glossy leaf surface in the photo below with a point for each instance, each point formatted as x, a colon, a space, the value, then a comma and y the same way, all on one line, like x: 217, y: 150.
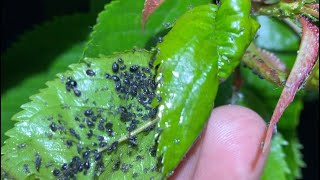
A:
x: 190, y: 59
x: 20, y: 81
x: 111, y: 34
x: 54, y: 127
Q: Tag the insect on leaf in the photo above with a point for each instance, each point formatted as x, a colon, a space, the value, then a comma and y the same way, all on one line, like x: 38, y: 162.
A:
x: 80, y: 125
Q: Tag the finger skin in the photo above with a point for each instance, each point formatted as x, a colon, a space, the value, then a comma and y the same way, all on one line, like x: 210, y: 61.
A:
x: 228, y: 147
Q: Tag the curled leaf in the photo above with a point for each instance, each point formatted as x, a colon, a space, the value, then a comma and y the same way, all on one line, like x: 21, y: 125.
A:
x: 304, y: 63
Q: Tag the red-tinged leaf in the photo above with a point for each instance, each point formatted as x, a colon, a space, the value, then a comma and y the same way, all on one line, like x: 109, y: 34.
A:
x: 305, y: 61
x: 149, y: 7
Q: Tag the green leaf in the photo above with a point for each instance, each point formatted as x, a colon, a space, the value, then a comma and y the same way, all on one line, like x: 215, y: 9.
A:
x: 188, y: 59
x: 111, y: 34
x: 276, y: 167
x: 276, y: 36
x: 294, y: 156
x: 53, y: 128
x: 58, y: 46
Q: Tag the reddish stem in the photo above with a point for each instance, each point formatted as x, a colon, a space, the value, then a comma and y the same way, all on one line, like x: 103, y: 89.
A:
x: 305, y: 61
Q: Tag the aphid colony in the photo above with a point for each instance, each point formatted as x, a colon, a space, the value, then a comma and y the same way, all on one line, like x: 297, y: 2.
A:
x: 134, y: 83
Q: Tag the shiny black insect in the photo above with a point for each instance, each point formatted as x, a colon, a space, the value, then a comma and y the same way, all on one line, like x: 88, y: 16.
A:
x: 77, y: 92
x: 116, y: 166
x: 89, y: 134
x: 73, y: 132
x: 115, y: 67
x: 134, y: 68
x: 85, y: 154
x: 90, y: 72
x: 112, y: 147
x: 70, y: 84
x: 133, y: 140
x: 107, y: 76
x: 53, y: 127
x: 37, y: 162
x: 69, y: 142
x: 64, y: 166
x: 88, y: 112
x: 86, y: 164
x: 56, y: 172
x: 120, y: 60
x: 97, y: 156
x: 115, y: 78
x: 89, y: 123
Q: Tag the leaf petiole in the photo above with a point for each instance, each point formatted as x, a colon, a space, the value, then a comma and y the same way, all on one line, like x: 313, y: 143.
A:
x: 133, y: 133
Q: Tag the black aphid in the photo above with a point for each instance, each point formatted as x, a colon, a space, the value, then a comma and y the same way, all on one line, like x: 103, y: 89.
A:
x: 117, y: 86
x: 100, y: 126
x: 53, y: 127
x: 160, y: 39
x: 120, y: 60
x: 79, y: 148
x: 134, y: 68
x: 56, y: 172
x: 139, y: 157
x: 100, y: 138
x: 97, y: 156
x: 123, y: 67
x: 126, y: 81
x: 70, y: 84
x: 76, y: 159
x: 108, y: 127
x: 85, y: 154
x: 93, y: 118
x: 125, y: 167
x: 73, y: 132
x: 90, y: 123
x: 82, y: 126
x: 86, y: 164
x: 90, y: 72
x: 80, y: 167
x: 77, y: 92
x: 131, y: 127
x: 102, y: 144
x: 133, y: 140
x: 107, y: 76
x: 64, y: 166
x: 146, y: 70
x: 115, y: 67
x: 116, y: 166
x: 113, y: 146
x: 89, y: 133
x: 37, y: 162
x: 88, y: 112
x: 135, y: 175
x: 152, y: 151
x: 69, y: 142
x: 159, y: 98
x: 115, y: 78
x: 25, y: 169
x: 122, y: 109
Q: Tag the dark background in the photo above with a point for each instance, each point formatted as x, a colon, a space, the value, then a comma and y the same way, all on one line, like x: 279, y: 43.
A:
x: 19, y: 16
